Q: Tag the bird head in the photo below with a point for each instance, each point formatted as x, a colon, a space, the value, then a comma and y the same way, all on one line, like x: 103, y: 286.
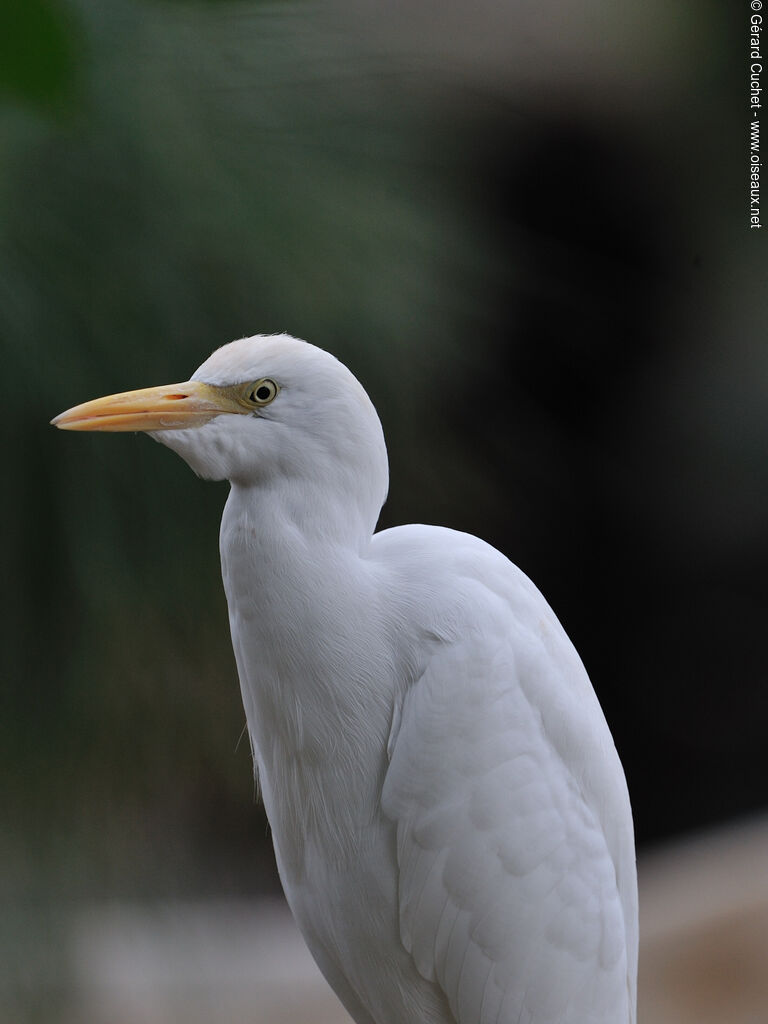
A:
x: 266, y: 410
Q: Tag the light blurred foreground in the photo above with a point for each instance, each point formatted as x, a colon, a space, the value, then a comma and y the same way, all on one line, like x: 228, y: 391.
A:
x: 228, y: 962
x: 704, y: 930
x: 704, y: 936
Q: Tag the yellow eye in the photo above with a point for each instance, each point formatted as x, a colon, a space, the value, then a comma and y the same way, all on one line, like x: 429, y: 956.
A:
x: 261, y: 392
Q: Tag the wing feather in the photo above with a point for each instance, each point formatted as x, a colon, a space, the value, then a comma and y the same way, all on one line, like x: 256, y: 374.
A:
x: 511, y: 897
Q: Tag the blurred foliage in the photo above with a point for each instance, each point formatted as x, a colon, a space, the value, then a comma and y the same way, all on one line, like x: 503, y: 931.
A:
x: 37, y: 52
x: 554, y: 317
x: 207, y: 181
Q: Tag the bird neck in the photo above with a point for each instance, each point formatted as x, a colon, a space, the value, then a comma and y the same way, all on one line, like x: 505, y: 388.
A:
x: 310, y: 643
x: 326, y: 513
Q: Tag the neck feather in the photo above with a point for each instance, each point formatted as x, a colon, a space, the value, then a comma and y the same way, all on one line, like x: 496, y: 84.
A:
x: 312, y: 648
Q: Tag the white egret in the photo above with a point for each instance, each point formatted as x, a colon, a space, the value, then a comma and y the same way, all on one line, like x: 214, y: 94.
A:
x: 449, y: 813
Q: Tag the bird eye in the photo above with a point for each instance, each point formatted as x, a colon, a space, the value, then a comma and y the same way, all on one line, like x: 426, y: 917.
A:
x: 261, y: 392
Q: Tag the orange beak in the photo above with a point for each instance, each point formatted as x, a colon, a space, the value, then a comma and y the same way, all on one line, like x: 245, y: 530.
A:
x: 169, y: 407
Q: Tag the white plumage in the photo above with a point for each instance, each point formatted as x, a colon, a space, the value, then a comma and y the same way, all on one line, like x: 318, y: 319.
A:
x: 450, y: 817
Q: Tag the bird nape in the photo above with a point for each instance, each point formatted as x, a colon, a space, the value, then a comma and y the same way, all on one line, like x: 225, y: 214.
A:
x: 450, y: 816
